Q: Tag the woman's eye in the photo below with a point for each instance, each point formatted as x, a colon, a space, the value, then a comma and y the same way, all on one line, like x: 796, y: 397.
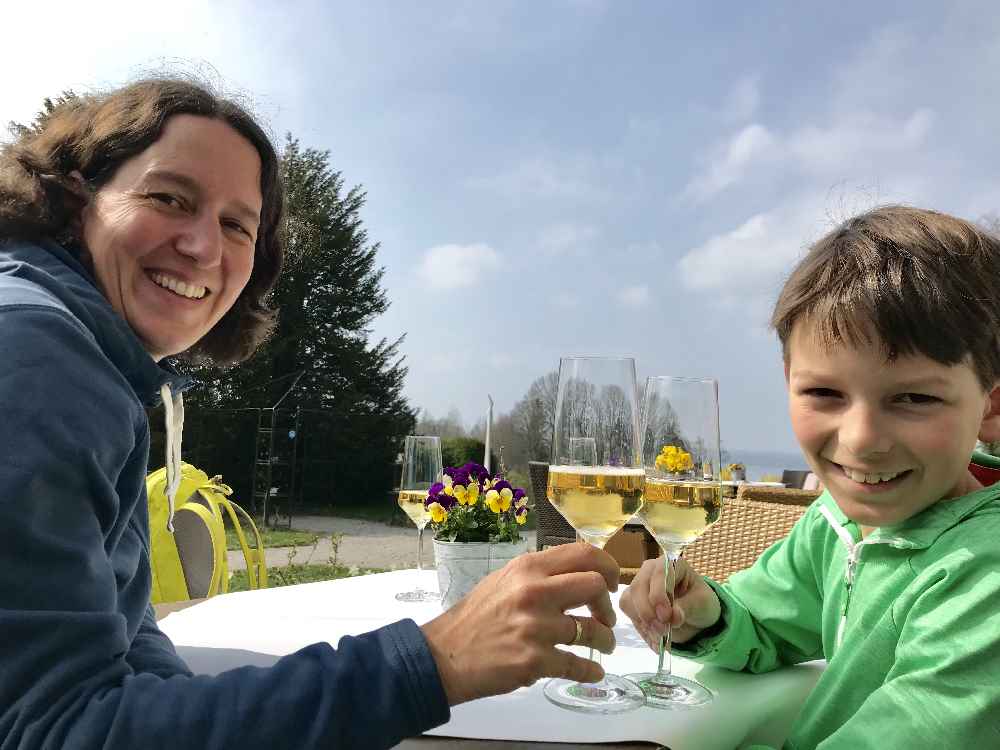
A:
x: 916, y: 398
x: 166, y: 199
x: 237, y: 227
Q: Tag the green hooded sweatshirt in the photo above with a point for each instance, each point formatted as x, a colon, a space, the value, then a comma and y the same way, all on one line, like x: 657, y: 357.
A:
x: 908, y: 620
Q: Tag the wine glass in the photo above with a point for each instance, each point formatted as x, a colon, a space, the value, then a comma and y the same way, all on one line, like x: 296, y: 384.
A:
x: 683, y: 497
x: 596, y: 482
x: 421, y: 469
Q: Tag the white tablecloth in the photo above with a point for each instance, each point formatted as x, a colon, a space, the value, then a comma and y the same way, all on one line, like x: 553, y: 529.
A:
x: 258, y: 627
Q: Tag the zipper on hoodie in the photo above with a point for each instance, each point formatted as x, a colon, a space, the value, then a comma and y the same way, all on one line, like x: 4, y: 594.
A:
x: 853, y: 558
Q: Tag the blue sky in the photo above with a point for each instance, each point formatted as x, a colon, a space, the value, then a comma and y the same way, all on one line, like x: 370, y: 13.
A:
x: 579, y: 176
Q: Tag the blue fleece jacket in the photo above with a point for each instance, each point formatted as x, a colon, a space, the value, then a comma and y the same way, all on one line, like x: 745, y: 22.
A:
x: 82, y: 662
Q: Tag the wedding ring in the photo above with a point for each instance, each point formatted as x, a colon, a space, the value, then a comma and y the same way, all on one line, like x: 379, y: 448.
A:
x: 578, y: 638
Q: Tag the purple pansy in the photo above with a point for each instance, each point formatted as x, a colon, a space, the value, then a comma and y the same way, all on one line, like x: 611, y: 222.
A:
x: 518, y: 494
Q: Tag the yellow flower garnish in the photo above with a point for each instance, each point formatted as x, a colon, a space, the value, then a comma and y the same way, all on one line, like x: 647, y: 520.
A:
x: 438, y: 513
x: 673, y: 459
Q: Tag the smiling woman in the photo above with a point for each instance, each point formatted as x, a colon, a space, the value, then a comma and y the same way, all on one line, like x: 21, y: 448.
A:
x: 139, y: 225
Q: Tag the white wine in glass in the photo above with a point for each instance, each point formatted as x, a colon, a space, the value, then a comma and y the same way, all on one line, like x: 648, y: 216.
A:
x: 412, y: 504
x: 596, y: 482
x: 421, y: 468
x: 683, y: 497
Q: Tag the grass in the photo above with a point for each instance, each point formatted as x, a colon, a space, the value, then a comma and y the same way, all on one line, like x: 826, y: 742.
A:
x: 273, y: 538
x: 294, y: 574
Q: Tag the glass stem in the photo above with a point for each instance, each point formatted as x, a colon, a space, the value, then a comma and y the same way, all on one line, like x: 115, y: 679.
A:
x: 420, y: 547
x: 663, y: 666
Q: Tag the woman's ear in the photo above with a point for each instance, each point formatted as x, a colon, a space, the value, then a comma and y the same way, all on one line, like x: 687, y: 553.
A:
x: 989, y: 431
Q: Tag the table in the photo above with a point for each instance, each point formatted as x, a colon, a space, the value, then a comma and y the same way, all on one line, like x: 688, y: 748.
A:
x: 214, y: 636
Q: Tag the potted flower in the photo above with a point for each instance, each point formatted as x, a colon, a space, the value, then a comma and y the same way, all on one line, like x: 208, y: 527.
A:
x: 476, y: 517
x: 737, y: 472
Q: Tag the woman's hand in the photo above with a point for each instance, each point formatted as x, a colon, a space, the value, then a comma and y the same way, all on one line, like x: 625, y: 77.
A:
x: 695, y: 606
x: 503, y: 634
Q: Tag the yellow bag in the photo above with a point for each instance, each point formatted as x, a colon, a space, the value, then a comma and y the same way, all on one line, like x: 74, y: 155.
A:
x: 199, y: 528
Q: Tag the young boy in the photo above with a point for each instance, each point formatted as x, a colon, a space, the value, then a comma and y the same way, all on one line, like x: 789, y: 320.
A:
x: 890, y: 329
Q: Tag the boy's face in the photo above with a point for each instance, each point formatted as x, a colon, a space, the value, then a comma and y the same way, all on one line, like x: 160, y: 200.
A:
x: 887, y: 439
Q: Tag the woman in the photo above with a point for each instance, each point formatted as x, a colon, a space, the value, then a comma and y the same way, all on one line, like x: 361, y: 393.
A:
x: 139, y: 225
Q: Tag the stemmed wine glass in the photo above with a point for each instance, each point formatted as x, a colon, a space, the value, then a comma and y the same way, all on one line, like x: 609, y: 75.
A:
x: 596, y: 482
x: 421, y: 469
x: 683, y: 497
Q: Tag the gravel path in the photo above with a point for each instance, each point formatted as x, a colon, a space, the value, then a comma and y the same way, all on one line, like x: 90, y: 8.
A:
x: 366, y: 544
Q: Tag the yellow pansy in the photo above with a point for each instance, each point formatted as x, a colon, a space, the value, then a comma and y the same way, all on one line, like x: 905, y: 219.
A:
x: 506, y: 497
x: 461, y: 494
x: 438, y: 513
x: 493, y: 501
x: 521, y: 518
x: 472, y: 494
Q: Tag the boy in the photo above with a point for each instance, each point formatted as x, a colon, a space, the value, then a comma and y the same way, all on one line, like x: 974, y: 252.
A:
x: 890, y: 329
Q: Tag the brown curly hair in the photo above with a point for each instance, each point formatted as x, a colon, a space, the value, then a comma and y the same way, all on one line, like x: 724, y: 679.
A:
x: 93, y: 135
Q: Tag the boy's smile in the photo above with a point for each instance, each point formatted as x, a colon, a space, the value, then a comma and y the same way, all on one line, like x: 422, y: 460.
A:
x: 888, y: 439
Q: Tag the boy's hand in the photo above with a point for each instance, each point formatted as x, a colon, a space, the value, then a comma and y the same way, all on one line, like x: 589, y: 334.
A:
x: 695, y: 608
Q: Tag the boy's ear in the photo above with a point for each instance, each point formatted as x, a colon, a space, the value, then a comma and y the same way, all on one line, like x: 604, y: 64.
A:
x: 989, y: 431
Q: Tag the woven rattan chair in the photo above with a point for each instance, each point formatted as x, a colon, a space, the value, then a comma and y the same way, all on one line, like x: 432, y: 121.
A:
x: 552, y: 527
x: 749, y: 524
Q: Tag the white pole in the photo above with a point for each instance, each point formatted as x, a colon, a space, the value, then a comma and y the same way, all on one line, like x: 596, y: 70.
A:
x: 489, y: 428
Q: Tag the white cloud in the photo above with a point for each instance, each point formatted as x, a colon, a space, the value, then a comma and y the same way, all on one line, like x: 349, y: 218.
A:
x: 566, y: 238
x: 730, y: 161
x: 634, y: 296
x: 859, y: 140
x: 853, y: 145
x: 458, y: 266
x: 753, y: 259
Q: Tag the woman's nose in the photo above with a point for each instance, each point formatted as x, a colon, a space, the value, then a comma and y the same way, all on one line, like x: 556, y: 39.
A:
x: 201, y: 241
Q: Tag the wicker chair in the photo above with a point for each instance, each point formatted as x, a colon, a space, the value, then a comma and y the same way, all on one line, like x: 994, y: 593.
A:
x: 749, y: 524
x: 552, y: 527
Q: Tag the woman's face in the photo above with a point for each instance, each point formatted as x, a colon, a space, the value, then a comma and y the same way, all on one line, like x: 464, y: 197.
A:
x: 171, y: 236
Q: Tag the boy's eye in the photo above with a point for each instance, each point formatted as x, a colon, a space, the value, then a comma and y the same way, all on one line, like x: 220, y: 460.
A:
x: 916, y: 398
x: 821, y: 393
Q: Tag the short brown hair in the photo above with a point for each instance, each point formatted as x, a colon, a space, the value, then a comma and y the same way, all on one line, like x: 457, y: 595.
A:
x: 94, y: 134
x: 922, y: 282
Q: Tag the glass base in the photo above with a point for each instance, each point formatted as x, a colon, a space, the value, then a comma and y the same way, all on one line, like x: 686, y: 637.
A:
x: 676, y: 693
x: 612, y: 695
x: 418, y: 595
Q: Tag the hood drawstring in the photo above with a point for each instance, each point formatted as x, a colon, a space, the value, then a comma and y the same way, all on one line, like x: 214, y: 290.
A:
x: 173, y: 412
